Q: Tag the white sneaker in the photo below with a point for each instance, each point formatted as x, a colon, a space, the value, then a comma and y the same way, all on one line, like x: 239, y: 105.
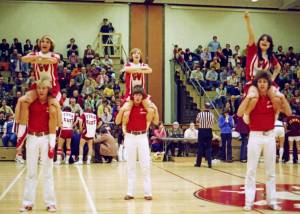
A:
x: 25, y: 208
x: 275, y: 207
x: 51, y: 208
x: 80, y: 162
x: 247, y: 208
x: 88, y: 162
x: 67, y: 161
x: 57, y: 162
x: 19, y: 160
x: 290, y: 162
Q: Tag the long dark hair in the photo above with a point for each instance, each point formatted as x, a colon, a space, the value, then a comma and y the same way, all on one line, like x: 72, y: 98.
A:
x: 269, y: 50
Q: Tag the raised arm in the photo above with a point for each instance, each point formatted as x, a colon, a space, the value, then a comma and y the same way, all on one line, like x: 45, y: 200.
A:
x: 251, y: 38
x: 30, y: 58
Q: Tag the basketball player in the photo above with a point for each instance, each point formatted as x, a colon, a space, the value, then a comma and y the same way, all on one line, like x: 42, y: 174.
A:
x: 65, y: 134
x: 135, y: 75
x: 261, y: 137
x: 293, y: 127
x: 88, y: 124
x: 38, y: 144
x: 45, y: 65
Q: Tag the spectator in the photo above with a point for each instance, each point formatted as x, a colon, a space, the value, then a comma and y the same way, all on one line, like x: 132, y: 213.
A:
x: 72, y: 48
x: 4, y: 50
x: 105, y: 145
x: 212, y: 78
x: 87, y: 88
x: 88, y: 55
x: 243, y: 129
x: 75, y: 106
x: 295, y: 102
x: 191, y: 132
x: 107, y: 27
x: 71, y: 87
x: 36, y: 47
x: 108, y: 91
x: 2, y: 121
x: 221, y: 96
x: 81, y: 77
x: 89, y: 102
x: 8, y: 134
x: 6, y: 109
x: 176, y: 132
x: 28, y: 47
x: 78, y: 97
x: 74, y: 60
x: 215, y: 64
x: 226, y: 124
x: 106, y: 116
x: 96, y: 61
x: 213, y: 46
x: 158, y: 132
x: 227, y: 52
x: 16, y: 45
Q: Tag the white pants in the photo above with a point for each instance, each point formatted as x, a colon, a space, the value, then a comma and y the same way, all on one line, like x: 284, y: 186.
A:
x: 258, y: 141
x: 34, y: 147
x: 134, y: 143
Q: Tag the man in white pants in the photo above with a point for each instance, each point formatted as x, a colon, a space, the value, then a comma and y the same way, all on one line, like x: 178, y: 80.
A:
x: 38, y: 142
x: 261, y: 137
x: 136, y: 139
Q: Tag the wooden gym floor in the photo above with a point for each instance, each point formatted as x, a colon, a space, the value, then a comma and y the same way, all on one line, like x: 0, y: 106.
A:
x: 100, y: 188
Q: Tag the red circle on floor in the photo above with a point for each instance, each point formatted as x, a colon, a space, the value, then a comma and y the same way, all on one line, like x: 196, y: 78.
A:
x: 288, y: 196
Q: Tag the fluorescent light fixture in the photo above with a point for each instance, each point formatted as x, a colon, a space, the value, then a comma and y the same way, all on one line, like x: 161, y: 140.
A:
x: 254, y: 0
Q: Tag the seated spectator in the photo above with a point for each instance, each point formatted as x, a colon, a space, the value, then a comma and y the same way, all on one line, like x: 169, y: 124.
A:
x: 238, y: 70
x: 64, y: 100
x: 295, y: 102
x: 223, y: 76
x: 28, y: 47
x: 212, y: 78
x: 78, y: 97
x: 76, y: 108
x: 108, y: 91
x: 4, y: 50
x: 287, y: 91
x: 88, y: 55
x: 199, y: 50
x: 2, y: 121
x: 72, y: 48
x: 191, y: 132
x: 71, y: 87
x: 100, y: 110
x: 205, y: 57
x: 105, y: 145
x: 232, y: 82
x: 20, y: 84
x: 176, y: 132
x: 36, y: 47
x: 116, y: 86
x: 6, y: 109
x: 87, y: 88
x: 221, y: 96
x: 74, y: 60
x: 96, y: 61
x: 89, y: 103
x: 15, y: 99
x: 222, y: 58
x: 106, y: 116
x: 16, y: 45
x: 8, y: 134
x: 64, y: 79
x: 158, y: 132
x: 198, y: 78
x: 81, y: 77
x: 227, y: 52
x: 215, y: 64
x: 107, y: 63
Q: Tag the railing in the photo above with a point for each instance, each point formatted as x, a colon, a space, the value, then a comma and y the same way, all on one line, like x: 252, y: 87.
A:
x: 186, y: 69
x: 113, y: 44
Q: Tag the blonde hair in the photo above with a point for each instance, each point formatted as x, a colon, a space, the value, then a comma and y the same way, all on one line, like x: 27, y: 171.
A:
x: 133, y: 51
x: 52, y: 43
x: 44, y: 81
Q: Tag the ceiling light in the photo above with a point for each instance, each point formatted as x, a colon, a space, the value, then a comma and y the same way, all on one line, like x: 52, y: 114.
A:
x: 254, y: 0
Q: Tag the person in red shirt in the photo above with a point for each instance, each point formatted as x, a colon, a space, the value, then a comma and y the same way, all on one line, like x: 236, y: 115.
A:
x: 135, y: 71
x: 38, y: 144
x: 260, y: 58
x: 136, y: 140
x: 261, y: 137
x: 45, y: 64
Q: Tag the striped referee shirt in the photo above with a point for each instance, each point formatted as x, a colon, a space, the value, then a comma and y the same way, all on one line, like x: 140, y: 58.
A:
x: 205, y: 120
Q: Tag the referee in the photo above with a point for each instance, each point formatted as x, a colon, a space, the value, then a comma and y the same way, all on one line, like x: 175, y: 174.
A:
x: 205, y: 120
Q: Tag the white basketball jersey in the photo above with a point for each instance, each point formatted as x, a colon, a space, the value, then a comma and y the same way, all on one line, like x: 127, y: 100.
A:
x: 89, y: 124
x: 68, y: 119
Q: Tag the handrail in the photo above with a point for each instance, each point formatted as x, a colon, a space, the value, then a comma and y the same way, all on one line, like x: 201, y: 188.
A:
x: 196, y: 88
x: 124, y: 51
